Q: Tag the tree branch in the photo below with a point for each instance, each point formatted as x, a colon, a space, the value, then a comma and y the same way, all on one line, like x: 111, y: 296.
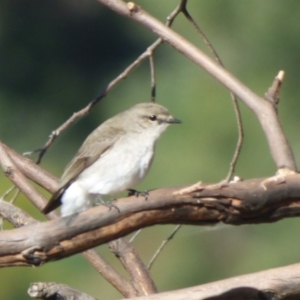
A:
x: 19, y: 179
x: 84, y: 111
x: 236, y: 203
x: 52, y: 291
x: 136, y: 267
x: 264, y: 110
x: 16, y: 216
x: 280, y: 283
x: 139, y: 274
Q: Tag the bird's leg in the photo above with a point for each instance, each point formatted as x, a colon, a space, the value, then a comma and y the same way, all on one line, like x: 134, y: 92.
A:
x: 132, y: 192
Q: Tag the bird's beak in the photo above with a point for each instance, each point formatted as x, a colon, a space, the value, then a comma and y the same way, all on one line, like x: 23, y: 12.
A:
x: 172, y: 120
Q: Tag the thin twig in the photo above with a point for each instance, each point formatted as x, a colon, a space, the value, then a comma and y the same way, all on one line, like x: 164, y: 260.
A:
x: 233, y: 97
x: 102, y: 94
x: 8, y: 192
x: 272, y: 95
x: 15, y: 196
x: 279, y: 146
x: 153, y: 81
x: 135, y: 235
x: 163, y: 244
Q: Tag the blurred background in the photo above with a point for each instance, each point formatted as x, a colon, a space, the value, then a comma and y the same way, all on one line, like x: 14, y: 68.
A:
x: 57, y: 55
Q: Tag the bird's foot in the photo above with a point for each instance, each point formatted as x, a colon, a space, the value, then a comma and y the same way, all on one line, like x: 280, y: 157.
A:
x: 111, y: 205
x: 132, y: 192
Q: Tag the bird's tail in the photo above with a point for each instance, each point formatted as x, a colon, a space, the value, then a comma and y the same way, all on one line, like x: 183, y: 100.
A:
x: 54, y: 202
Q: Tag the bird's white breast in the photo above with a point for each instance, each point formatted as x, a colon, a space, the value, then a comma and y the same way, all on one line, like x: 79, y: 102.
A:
x: 121, y: 167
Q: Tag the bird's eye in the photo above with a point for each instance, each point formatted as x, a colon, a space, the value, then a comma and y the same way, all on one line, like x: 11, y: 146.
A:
x: 153, y: 118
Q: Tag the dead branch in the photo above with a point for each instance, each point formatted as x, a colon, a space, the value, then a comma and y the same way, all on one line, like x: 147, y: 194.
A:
x: 15, y: 215
x: 162, y: 246
x: 84, y: 111
x: 52, y: 290
x: 136, y: 267
x: 272, y: 95
x: 129, y: 258
x: 19, y: 179
x: 264, y: 110
x: 236, y: 203
x: 270, y: 199
x: 233, y: 96
x: 280, y: 283
x: 110, y: 274
x: 32, y: 171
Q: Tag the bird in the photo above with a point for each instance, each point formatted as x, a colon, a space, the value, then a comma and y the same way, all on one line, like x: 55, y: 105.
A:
x: 115, y: 157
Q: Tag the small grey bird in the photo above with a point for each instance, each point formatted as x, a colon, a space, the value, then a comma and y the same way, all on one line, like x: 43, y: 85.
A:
x: 115, y: 157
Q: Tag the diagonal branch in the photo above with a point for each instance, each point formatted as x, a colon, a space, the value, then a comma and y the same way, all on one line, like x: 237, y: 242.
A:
x: 19, y: 179
x: 9, y: 159
x: 264, y: 110
x: 233, y: 97
x: 140, y: 275
x: 280, y: 283
x: 16, y: 216
x: 123, y: 285
x: 84, y: 111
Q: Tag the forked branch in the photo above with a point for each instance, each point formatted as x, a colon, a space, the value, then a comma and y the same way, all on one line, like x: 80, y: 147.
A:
x: 264, y: 110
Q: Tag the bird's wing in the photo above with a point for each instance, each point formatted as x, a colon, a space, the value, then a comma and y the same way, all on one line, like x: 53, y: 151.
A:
x: 91, y: 150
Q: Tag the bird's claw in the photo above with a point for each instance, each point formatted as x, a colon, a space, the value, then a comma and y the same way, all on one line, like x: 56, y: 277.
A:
x: 132, y: 192
x: 110, y: 205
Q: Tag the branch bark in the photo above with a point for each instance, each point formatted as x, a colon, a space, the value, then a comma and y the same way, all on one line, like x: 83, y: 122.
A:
x: 52, y: 291
x: 236, y: 203
x: 140, y: 282
x: 280, y: 283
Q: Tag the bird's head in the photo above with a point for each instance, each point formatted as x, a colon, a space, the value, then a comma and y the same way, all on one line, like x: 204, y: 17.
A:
x: 151, y: 117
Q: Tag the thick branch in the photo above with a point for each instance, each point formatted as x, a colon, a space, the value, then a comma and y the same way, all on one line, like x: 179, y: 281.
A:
x: 280, y: 283
x: 264, y: 110
x: 16, y: 216
x: 245, y: 202
x: 32, y: 171
x: 19, y: 179
x: 142, y: 280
